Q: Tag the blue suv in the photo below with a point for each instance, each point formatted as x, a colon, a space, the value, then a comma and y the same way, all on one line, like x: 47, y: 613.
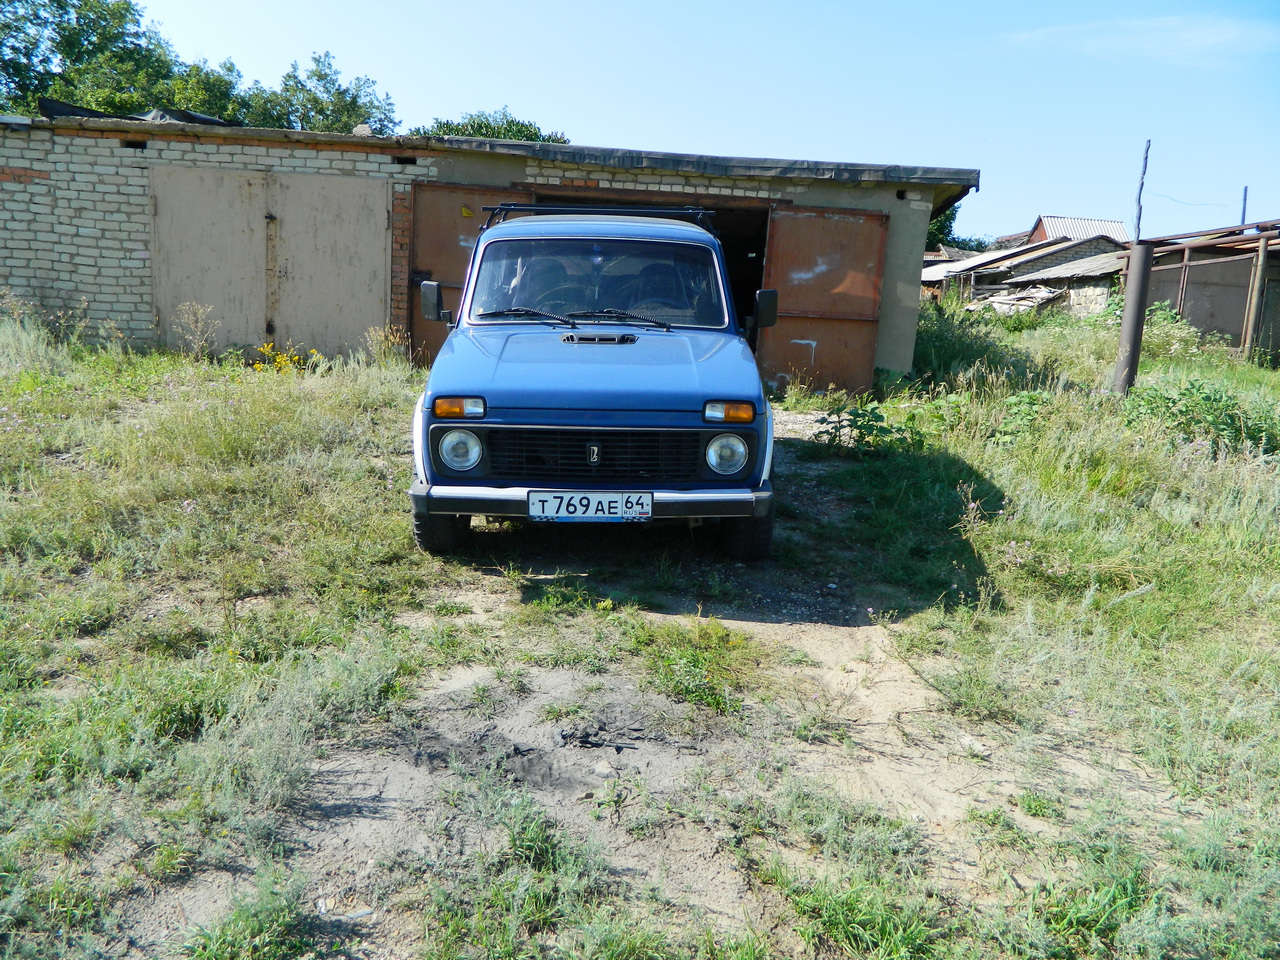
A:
x: 596, y: 372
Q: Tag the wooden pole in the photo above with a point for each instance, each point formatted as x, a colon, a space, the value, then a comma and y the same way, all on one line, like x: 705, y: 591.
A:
x: 1253, y: 310
x: 1135, y: 312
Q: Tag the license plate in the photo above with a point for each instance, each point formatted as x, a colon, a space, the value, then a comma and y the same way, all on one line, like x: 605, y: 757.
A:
x: 570, y: 506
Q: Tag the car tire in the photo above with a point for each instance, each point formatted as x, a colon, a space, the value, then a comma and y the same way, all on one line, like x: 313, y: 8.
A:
x: 440, y: 533
x: 749, y: 538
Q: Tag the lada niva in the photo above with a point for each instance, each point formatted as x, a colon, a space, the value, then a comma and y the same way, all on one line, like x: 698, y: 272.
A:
x: 596, y: 372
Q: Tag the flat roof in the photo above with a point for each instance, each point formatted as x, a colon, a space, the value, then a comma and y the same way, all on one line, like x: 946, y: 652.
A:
x: 569, y: 153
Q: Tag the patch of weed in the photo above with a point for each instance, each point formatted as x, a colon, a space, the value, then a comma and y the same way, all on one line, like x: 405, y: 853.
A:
x: 1036, y: 803
x: 857, y: 918
x: 852, y: 834
x: 450, y: 608
x: 1208, y: 413
x: 556, y: 712
x: 269, y: 926
x: 1084, y: 918
x: 997, y: 827
x: 702, y: 661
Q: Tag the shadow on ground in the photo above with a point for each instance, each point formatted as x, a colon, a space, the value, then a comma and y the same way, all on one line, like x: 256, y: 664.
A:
x: 854, y: 535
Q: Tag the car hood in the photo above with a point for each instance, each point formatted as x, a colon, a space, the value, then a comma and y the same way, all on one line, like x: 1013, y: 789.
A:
x: 675, y: 369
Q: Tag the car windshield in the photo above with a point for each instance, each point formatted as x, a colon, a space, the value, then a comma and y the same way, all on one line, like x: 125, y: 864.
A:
x: 624, y: 281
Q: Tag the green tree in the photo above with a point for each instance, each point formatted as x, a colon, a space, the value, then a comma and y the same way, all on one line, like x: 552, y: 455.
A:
x: 494, y: 125
x: 942, y: 230
x: 98, y: 54
x: 213, y: 92
x: 93, y: 52
x: 319, y: 100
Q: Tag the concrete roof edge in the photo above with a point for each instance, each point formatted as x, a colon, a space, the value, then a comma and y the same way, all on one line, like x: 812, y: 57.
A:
x: 720, y: 166
x: 563, y: 152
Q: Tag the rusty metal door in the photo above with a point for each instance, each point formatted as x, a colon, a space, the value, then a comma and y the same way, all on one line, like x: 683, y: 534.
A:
x: 328, y: 267
x: 446, y: 223
x: 208, y: 247
x: 827, y: 266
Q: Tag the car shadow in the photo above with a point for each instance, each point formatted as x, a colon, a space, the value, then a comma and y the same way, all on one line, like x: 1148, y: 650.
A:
x: 855, y: 539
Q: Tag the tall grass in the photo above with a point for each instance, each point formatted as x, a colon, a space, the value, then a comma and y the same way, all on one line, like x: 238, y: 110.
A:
x: 1135, y: 545
x: 143, y: 497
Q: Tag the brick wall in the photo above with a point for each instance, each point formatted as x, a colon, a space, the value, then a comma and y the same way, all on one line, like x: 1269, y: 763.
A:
x: 401, y: 254
x: 75, y: 212
x: 75, y: 220
x: 544, y: 173
x: 1088, y: 295
x: 76, y: 217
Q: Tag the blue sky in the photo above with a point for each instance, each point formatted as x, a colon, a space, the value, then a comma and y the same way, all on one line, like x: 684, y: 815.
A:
x: 1052, y: 102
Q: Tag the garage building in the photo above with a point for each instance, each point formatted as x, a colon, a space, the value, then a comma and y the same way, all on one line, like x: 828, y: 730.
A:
x: 314, y: 238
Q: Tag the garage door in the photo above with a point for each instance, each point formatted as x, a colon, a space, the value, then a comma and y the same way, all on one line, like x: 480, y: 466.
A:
x: 209, y: 246
x: 294, y: 258
x: 827, y: 266
x: 446, y: 223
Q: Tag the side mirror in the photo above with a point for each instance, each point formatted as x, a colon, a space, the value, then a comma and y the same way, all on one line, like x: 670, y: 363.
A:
x: 432, y: 301
x: 766, y: 314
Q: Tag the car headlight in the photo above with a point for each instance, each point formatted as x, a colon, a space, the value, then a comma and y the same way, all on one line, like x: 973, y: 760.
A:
x: 727, y: 453
x: 460, y: 449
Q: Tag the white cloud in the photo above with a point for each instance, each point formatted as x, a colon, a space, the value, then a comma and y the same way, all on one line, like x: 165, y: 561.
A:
x: 1180, y: 41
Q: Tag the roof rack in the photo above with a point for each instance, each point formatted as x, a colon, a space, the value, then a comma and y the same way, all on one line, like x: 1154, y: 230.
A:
x: 698, y: 215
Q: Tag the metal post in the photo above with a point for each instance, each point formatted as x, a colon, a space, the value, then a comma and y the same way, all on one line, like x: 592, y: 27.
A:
x: 1253, y: 311
x: 1135, y: 311
x: 1182, y: 280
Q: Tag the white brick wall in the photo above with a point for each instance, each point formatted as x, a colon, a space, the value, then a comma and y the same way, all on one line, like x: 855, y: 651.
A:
x: 557, y: 174
x: 75, y: 212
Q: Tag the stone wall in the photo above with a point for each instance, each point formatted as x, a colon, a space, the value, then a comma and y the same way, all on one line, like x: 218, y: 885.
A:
x: 1088, y: 295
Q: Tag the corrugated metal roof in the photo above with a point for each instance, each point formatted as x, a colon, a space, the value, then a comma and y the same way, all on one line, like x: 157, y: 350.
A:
x: 985, y: 259
x: 1033, y: 255
x: 1098, y: 265
x: 1082, y: 228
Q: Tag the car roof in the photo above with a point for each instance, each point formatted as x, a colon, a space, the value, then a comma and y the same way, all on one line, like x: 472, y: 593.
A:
x: 603, y: 226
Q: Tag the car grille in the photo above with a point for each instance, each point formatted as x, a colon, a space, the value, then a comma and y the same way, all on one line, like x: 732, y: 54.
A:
x: 551, y: 455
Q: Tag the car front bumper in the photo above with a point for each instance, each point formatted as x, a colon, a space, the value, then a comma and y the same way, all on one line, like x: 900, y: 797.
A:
x: 514, y: 501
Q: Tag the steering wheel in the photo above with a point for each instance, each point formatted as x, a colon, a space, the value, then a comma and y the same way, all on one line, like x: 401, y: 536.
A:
x: 565, y: 295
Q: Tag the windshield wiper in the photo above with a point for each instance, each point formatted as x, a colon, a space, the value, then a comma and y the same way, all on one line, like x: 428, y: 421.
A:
x: 615, y: 313
x: 526, y: 312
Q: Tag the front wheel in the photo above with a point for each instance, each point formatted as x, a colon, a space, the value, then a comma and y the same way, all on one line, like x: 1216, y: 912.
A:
x: 440, y: 533
x: 749, y: 538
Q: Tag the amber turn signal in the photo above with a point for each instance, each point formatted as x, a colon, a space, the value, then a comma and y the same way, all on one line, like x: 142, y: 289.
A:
x: 456, y: 408
x: 721, y: 411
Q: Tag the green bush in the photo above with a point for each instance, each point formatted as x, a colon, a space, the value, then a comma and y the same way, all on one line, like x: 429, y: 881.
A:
x: 860, y: 428
x: 1197, y: 411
